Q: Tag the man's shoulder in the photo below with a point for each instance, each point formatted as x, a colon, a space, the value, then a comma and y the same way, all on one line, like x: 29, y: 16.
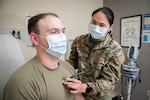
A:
x: 24, y: 71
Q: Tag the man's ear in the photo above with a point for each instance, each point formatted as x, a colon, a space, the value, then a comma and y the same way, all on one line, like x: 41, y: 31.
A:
x: 33, y: 38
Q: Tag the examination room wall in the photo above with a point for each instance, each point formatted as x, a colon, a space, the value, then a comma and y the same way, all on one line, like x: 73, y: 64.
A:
x: 75, y: 14
x: 124, y: 8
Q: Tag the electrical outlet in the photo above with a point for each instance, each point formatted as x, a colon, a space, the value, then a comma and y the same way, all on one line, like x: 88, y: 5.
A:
x: 148, y: 93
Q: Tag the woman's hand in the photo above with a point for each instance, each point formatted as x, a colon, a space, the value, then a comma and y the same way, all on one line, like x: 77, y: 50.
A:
x: 76, y: 86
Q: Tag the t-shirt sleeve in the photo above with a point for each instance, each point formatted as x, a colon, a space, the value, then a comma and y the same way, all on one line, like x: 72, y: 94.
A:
x: 19, y: 89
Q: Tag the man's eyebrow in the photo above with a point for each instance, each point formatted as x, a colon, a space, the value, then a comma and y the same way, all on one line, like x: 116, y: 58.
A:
x: 52, y: 29
x: 55, y: 29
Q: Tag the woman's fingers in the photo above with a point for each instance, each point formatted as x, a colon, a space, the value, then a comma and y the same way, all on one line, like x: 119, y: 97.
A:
x: 75, y: 85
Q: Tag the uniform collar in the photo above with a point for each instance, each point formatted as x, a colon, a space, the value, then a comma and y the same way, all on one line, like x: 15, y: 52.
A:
x: 101, y: 44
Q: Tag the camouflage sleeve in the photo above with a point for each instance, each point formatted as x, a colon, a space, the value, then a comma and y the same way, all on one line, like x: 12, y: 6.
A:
x: 73, y: 58
x: 110, y: 74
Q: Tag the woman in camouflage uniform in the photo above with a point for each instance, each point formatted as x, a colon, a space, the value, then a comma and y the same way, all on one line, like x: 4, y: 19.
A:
x: 98, y: 57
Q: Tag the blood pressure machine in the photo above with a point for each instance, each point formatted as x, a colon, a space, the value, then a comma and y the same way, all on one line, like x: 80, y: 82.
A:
x: 132, y: 70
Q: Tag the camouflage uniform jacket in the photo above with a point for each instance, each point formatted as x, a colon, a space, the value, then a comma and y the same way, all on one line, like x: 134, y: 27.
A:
x: 103, y: 62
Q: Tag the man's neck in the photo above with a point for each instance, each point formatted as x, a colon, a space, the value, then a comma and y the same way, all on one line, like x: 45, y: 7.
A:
x: 48, y: 61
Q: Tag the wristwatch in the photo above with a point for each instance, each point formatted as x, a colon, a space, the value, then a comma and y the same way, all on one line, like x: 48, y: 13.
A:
x: 88, y: 89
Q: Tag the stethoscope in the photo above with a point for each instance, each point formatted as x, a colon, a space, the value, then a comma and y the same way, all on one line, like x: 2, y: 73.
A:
x: 90, y: 65
x: 82, y: 72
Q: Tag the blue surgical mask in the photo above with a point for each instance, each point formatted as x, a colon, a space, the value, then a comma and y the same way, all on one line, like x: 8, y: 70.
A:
x: 57, y: 44
x: 96, y: 31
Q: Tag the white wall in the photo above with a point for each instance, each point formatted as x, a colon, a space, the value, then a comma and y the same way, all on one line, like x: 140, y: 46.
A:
x: 75, y: 14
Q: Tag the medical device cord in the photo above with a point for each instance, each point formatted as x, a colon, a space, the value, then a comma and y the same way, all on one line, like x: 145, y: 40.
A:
x: 83, y: 72
x: 90, y: 66
x: 80, y: 73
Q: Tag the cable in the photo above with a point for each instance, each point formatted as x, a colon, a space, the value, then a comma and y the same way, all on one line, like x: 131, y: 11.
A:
x: 83, y: 72
x: 86, y: 71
